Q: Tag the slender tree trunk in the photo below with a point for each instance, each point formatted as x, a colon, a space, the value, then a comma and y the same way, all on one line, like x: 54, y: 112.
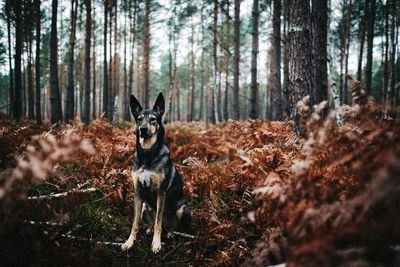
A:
x: 31, y: 98
x: 254, y: 95
x: 88, y: 34
x: 37, y: 63
x: 94, y: 111
x: 214, y: 108
x: 393, y: 37
x: 69, y: 109
x: 17, y: 60
x: 300, y: 68
x: 386, y: 62
x: 116, y: 62
x: 348, y: 31
x: 227, y: 42
x: 370, y: 44
x: 320, y: 35
x: 331, y: 69
x: 125, y: 107
x: 236, y: 60
x: 285, y: 99
x: 55, y: 98
x: 146, y: 55
x: 342, y: 50
x: 106, y: 104
x: 133, y: 37
x: 276, y: 93
x: 362, y: 40
x: 11, y: 91
x: 110, y: 69
x: 202, y: 65
x: 192, y: 94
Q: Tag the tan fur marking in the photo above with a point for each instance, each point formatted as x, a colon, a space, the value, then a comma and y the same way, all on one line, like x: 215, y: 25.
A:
x: 135, y: 178
x: 156, y: 179
x: 179, y: 213
x: 149, y: 142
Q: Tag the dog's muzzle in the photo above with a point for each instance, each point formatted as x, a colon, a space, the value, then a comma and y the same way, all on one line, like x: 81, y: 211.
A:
x: 144, y: 132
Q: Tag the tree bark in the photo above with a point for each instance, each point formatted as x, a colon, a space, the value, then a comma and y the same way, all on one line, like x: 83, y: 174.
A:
x: 146, y: 55
x: 18, y: 51
x: 276, y: 93
x: 362, y: 41
x: 300, y: 68
x: 55, y: 98
x: 254, y: 95
x: 285, y: 98
x: 133, y: 37
x: 236, y: 60
x: 37, y: 63
x: 88, y: 34
x: 393, y: 37
x: 106, y: 104
x: 11, y: 91
x: 69, y: 109
x: 227, y: 42
x: 94, y: 106
x: 348, y: 31
x: 192, y: 93
x: 370, y: 44
x: 31, y: 98
x: 320, y: 35
x: 214, y: 108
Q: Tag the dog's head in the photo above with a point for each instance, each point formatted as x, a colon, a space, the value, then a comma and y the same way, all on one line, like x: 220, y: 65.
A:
x: 148, y: 121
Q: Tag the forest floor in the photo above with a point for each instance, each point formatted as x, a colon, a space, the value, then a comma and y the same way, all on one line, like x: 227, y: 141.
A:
x: 259, y: 195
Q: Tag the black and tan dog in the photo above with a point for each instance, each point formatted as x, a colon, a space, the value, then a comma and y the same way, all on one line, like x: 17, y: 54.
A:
x: 157, y: 185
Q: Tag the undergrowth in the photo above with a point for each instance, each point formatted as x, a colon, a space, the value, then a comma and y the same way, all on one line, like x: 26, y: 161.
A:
x: 259, y: 194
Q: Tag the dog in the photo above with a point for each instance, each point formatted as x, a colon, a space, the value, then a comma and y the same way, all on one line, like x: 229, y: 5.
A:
x: 158, y: 196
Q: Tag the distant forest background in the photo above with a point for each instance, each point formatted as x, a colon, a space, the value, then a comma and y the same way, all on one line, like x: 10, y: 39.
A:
x: 213, y: 60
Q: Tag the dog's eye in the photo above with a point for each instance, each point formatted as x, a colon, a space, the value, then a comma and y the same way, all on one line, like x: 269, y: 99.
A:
x: 152, y: 119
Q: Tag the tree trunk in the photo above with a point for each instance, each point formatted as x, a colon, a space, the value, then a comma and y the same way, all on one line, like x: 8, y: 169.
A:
x: 202, y: 66
x: 88, y: 34
x: 342, y: 50
x: 18, y: 51
x: 370, y: 44
x: 37, y: 64
x: 115, y: 76
x: 227, y: 42
x: 94, y: 68
x: 110, y: 68
x: 236, y: 60
x: 362, y: 41
x: 192, y: 93
x: 348, y: 31
x: 254, y: 95
x: 300, y: 68
x: 55, y: 98
x: 69, y: 109
x: 320, y: 35
x: 285, y: 98
x: 146, y: 55
x: 31, y: 100
x: 275, y: 69
x: 214, y: 108
x: 106, y: 104
x: 393, y: 37
x: 133, y: 37
x: 11, y: 92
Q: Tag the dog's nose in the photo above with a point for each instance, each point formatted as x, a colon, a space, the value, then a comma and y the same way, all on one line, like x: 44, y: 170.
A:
x: 143, y: 129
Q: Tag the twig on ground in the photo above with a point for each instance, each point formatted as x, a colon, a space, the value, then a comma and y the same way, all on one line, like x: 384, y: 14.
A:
x: 53, y: 195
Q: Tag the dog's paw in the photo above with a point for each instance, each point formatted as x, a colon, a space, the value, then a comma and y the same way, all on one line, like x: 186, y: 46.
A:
x: 127, y: 245
x: 156, y: 246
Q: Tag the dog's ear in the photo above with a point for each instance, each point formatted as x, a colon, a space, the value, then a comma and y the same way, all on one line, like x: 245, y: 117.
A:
x: 159, y: 106
x: 135, y: 106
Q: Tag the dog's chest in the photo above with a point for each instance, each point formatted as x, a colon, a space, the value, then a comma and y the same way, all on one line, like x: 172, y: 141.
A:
x: 147, y: 180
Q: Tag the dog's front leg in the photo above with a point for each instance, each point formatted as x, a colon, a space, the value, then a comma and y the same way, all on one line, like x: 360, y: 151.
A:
x: 135, y: 226
x: 156, y: 244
